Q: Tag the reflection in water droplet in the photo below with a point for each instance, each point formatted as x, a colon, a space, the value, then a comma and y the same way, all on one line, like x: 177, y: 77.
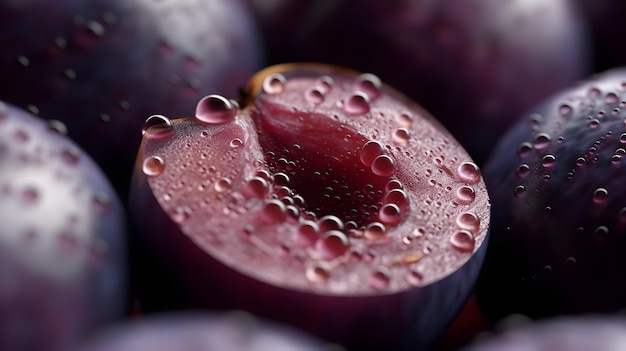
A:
x: 465, y: 194
x: 357, y: 103
x: 463, y: 241
x: 383, y: 166
x: 153, y: 166
x: 215, y: 109
x: 159, y: 126
x: 332, y: 245
x: 274, y: 83
x: 469, y: 172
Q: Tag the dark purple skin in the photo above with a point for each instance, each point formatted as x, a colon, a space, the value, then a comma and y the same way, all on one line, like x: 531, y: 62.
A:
x: 62, y: 238
x: 234, y: 331
x: 597, y: 332
x: 558, y: 233
x: 102, y: 67
x: 476, y: 65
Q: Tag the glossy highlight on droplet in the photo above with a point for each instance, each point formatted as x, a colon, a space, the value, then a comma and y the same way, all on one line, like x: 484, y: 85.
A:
x: 215, y: 109
x: 159, y: 126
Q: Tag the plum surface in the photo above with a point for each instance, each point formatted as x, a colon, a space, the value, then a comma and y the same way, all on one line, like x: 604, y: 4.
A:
x: 559, y: 212
x: 102, y: 67
x: 328, y: 201
x: 62, y: 238
x: 476, y: 65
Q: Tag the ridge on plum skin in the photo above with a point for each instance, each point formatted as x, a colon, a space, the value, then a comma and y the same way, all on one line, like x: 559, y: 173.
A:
x: 62, y: 238
x: 559, y: 216
x: 103, y: 66
x: 211, y: 187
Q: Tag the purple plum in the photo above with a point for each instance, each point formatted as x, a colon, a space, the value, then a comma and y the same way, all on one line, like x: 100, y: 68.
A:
x: 62, y: 238
x: 103, y: 66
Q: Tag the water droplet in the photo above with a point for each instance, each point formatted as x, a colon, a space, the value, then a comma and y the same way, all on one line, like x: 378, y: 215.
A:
x: 222, y: 185
x: 333, y: 244
x: 594, y: 123
x: 369, y: 152
x: 469, y: 172
x: 375, y: 231
x: 565, y: 110
x: 56, y: 126
x: 390, y: 214
x: 153, y: 166
x: 380, y: 279
x: 357, y: 103
x: 159, y: 126
x: 274, y: 212
x: 383, y: 166
x: 314, y: 95
x: 396, y: 196
x: 324, y: 84
x: 236, y: 143
x: 522, y: 171
x: 611, y: 98
x: 29, y: 196
x: 307, y: 234
x: 414, y: 278
x: 317, y: 274
x: 401, y: 136
x: 542, y: 140
x: 600, y: 195
x: 519, y: 190
x: 622, y: 138
x: 180, y: 215
x: 330, y: 222
x: 548, y: 160
x: 256, y: 187
x: 468, y: 221
x: 404, y: 119
x: 274, y: 83
x: 465, y: 194
x: 463, y: 241
x: 524, y: 149
x: 215, y: 109
x: 368, y: 83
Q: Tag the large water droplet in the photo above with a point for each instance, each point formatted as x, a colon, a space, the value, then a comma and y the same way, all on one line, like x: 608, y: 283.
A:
x: 468, y: 221
x: 274, y: 83
x: 463, y: 241
x: 465, y: 194
x: 390, y: 214
x: 215, y: 109
x: 375, y: 231
x: 368, y: 83
x: 396, y: 196
x: 383, y: 166
x: 469, y: 172
x: 256, y: 187
x: 357, y: 103
x: 153, y: 166
x: 600, y: 195
x: 369, y: 152
x: 274, y: 212
x: 159, y: 126
x: 330, y: 222
x: 332, y: 245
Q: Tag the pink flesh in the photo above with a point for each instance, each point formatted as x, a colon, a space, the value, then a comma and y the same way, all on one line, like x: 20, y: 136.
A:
x: 232, y: 226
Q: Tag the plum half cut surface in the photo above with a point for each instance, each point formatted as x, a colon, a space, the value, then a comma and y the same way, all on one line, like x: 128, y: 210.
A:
x: 328, y: 201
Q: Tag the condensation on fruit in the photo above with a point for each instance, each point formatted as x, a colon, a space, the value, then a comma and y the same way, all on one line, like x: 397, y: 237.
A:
x: 333, y: 244
x: 369, y: 84
x: 274, y: 83
x: 215, y: 109
x: 469, y: 172
x: 463, y: 241
x: 357, y: 103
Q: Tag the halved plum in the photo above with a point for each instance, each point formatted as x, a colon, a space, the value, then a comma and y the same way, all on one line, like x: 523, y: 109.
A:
x: 328, y: 201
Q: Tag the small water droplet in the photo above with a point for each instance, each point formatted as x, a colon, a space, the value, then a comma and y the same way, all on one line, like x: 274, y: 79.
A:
x: 380, y: 279
x: 519, y: 190
x: 159, y: 126
x: 215, y: 109
x: 222, y: 185
x: 594, y: 123
x: 256, y: 187
x: 542, y: 140
x: 522, y: 171
x: 236, y: 143
x: 600, y: 195
x: 317, y: 274
x: 401, y: 136
x: 463, y: 241
x: 153, y: 166
x: 29, y: 196
x: 469, y: 172
x: 414, y: 278
x: 375, y: 231
x: 333, y: 244
x: 548, y: 160
x: 390, y: 214
x: 314, y: 95
x: 468, y: 221
x: 383, y: 166
x: 56, y: 126
x: 611, y: 98
x: 524, y: 149
x: 369, y: 152
x: 622, y: 138
x: 368, y: 83
x: 70, y: 156
x: 274, y: 212
x: 324, y: 84
x: 404, y: 119
x: 565, y: 110
x: 396, y: 196
x: 357, y: 103
x: 274, y: 83
x: 307, y: 234
x: 465, y: 194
